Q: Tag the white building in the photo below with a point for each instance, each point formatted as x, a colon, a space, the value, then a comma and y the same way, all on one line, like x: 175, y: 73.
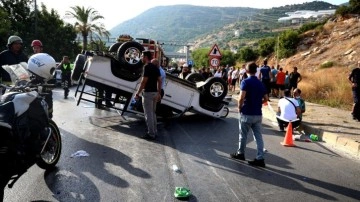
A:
x: 305, y: 15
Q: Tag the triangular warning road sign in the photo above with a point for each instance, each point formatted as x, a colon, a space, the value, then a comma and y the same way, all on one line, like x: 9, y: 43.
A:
x: 215, y: 52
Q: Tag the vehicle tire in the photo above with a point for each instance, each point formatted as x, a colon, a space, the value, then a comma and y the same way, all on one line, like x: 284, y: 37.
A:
x: 51, y: 154
x: 225, y: 112
x: 215, y: 89
x: 195, y: 77
x: 79, y: 67
x: 129, y: 55
x: 114, y: 48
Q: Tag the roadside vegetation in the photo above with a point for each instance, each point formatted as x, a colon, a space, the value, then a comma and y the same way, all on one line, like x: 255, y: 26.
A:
x: 19, y: 17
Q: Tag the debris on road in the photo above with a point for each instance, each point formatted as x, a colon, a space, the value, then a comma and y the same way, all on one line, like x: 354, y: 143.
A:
x: 80, y: 153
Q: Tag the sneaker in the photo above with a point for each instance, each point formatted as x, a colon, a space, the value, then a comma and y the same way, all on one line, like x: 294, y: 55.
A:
x: 238, y: 156
x: 148, y: 137
x: 257, y: 162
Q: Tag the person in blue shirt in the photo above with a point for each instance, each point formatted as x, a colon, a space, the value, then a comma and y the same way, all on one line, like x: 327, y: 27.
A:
x: 252, y: 95
x: 265, y: 76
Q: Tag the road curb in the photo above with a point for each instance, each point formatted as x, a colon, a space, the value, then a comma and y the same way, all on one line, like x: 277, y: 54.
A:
x: 334, y: 139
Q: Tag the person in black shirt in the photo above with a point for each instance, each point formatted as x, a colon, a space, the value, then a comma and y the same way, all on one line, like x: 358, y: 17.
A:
x: 13, y: 55
x: 294, y: 79
x: 354, y: 78
x: 150, y: 87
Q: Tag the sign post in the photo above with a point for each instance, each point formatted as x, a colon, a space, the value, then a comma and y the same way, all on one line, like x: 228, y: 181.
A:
x: 214, y: 56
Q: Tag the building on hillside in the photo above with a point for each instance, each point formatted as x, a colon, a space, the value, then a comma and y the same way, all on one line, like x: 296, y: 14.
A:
x: 303, y: 16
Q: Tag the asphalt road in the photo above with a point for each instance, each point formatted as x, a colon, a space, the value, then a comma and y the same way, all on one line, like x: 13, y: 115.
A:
x: 123, y: 167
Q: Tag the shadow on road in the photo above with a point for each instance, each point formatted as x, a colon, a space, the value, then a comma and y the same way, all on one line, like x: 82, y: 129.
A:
x: 72, y: 180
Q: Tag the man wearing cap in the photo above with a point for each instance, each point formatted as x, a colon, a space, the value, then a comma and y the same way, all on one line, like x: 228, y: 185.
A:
x: 185, y: 71
x: 13, y: 55
x: 37, y: 46
x: 150, y: 89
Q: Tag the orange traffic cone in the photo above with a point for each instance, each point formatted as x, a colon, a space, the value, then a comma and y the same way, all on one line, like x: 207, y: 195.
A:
x: 288, y: 140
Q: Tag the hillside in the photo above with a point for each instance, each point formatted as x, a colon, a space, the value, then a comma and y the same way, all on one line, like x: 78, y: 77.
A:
x: 203, y: 26
x: 180, y: 22
x: 337, y: 44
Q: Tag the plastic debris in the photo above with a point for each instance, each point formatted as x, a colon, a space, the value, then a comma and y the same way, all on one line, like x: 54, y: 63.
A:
x: 80, y: 153
x: 314, y: 137
x: 182, y: 192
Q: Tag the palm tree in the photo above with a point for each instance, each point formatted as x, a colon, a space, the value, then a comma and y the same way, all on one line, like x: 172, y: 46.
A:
x: 86, y: 23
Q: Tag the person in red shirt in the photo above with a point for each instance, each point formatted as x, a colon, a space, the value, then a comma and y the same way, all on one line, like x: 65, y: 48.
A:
x: 280, y: 82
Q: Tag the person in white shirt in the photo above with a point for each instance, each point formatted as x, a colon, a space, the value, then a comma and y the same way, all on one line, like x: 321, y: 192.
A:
x: 218, y: 72
x: 234, y: 78
x: 288, y: 111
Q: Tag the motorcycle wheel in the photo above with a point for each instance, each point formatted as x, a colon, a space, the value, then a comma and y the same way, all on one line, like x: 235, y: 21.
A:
x: 51, y: 154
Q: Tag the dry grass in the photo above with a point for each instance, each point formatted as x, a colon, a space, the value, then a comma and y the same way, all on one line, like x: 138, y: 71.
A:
x: 327, y: 86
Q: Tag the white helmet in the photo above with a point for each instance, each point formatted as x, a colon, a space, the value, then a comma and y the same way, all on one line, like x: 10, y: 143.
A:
x: 42, y: 65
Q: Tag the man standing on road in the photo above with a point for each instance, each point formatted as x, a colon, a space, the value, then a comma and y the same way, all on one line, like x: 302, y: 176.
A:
x: 252, y: 95
x: 151, y: 85
x: 354, y: 79
x: 65, y: 68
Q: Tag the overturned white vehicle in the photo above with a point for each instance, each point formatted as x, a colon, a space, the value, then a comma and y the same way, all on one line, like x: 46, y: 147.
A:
x: 119, y: 71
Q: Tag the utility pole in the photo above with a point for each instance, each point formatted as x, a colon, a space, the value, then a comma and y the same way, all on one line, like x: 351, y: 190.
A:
x: 36, y: 19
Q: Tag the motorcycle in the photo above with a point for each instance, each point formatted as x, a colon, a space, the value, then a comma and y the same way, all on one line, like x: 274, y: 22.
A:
x: 27, y: 135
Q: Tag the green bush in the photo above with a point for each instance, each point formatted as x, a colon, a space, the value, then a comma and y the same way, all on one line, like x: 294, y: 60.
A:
x: 342, y: 10
x: 247, y: 54
x: 266, y: 46
x: 288, y: 42
x: 310, y: 26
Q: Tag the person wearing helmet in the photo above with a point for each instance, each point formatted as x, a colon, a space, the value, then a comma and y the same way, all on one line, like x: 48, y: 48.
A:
x: 65, y: 68
x: 13, y: 55
x: 37, y: 46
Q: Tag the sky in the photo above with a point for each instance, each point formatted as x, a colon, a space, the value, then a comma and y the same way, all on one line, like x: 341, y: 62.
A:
x: 116, y: 12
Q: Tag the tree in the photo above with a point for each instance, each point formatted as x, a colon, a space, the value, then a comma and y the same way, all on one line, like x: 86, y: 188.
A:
x: 87, y: 23
x: 227, y: 58
x: 200, y: 57
x: 4, y: 28
x: 17, y: 18
x: 266, y: 46
x: 288, y: 42
x: 247, y: 54
x: 354, y: 6
x: 53, y: 44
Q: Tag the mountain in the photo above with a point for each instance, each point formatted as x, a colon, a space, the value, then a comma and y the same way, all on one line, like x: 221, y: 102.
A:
x: 180, y: 22
x: 186, y: 24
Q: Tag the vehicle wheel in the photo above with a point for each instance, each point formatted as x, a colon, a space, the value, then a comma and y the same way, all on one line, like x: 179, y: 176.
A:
x: 215, y: 88
x: 114, y: 48
x: 79, y: 67
x: 195, y: 77
x: 129, y: 55
x: 51, y: 153
x: 225, y: 112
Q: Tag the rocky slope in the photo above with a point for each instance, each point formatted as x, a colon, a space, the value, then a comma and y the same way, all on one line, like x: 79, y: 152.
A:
x: 337, y: 43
